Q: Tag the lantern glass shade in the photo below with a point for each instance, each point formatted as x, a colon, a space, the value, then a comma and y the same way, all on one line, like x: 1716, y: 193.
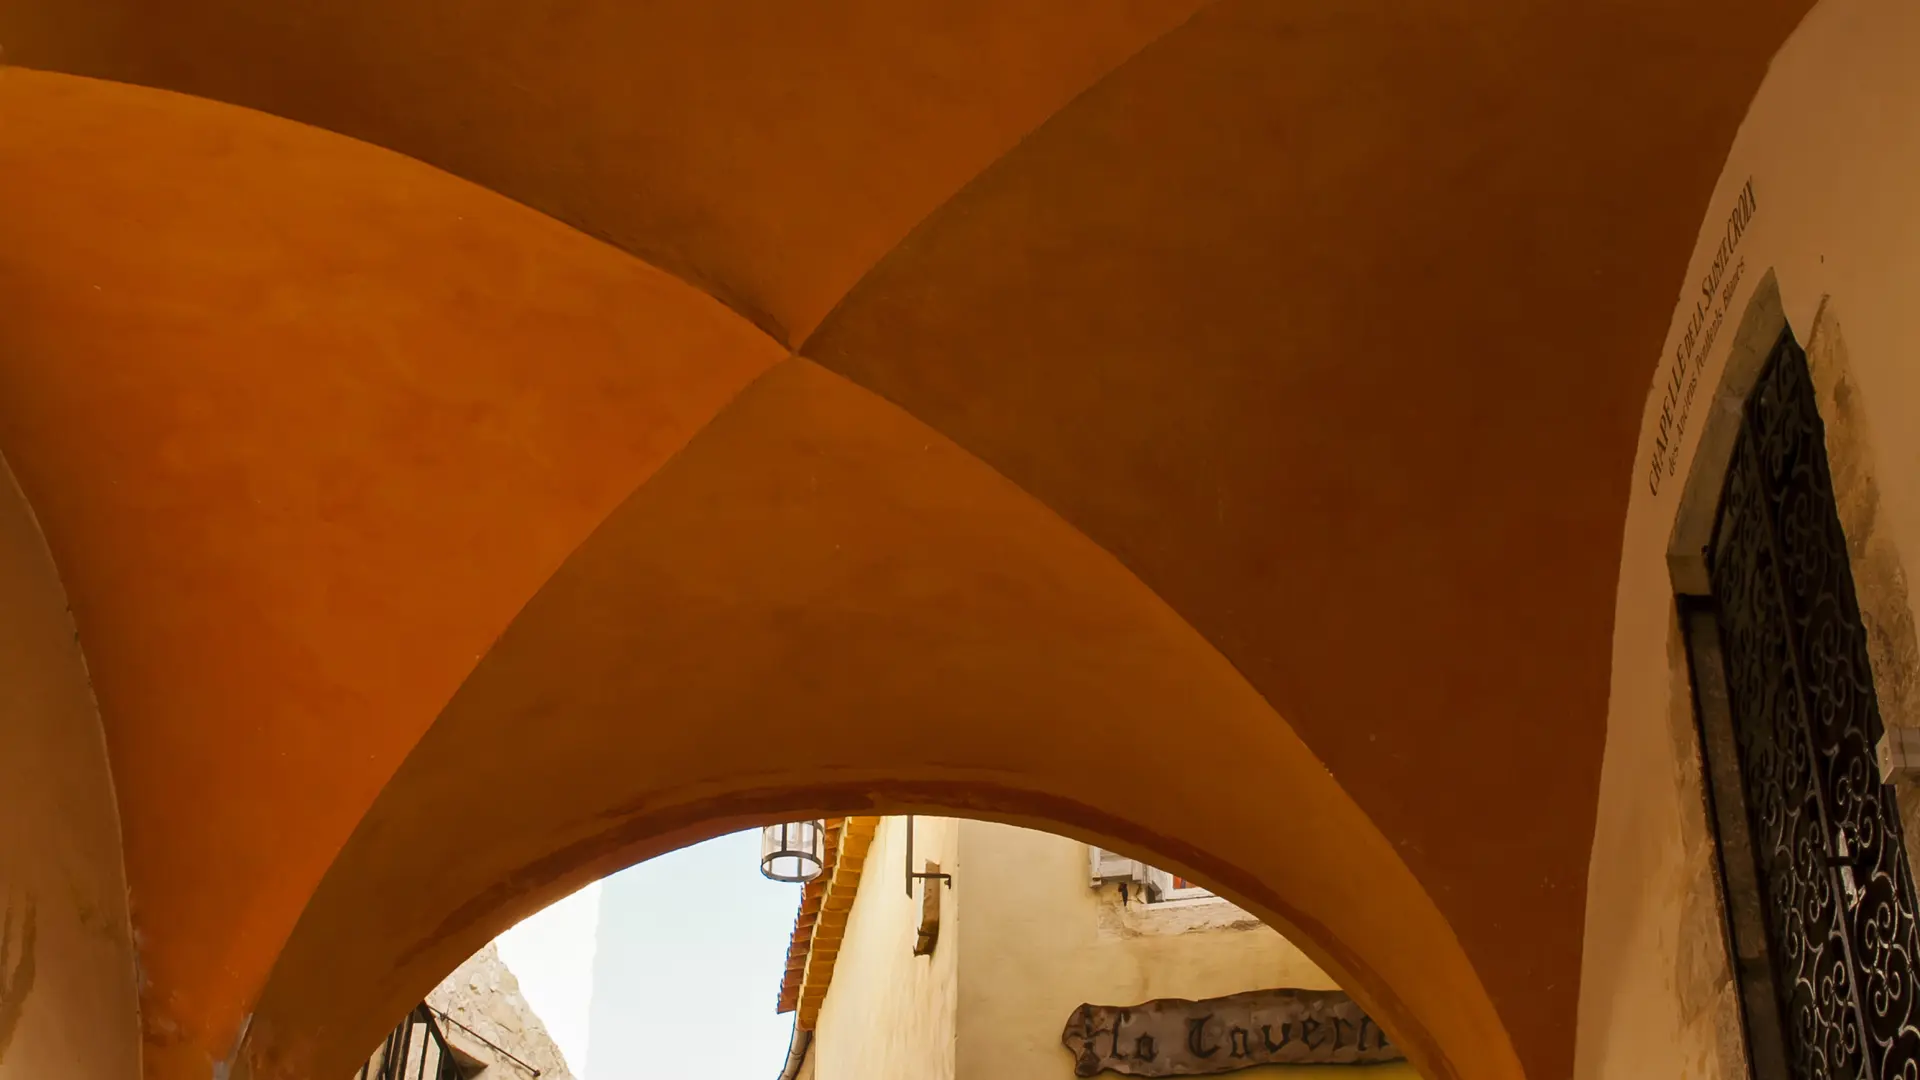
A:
x: 793, y: 851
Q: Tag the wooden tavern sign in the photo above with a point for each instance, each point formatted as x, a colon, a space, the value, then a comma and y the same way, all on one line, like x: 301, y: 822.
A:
x: 1170, y: 1037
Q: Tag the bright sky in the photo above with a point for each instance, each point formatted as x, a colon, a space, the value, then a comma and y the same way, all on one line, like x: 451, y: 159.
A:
x: 552, y: 956
x: 665, y: 971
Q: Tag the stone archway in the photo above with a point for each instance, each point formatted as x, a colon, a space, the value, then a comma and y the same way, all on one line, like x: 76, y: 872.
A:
x: 308, y: 424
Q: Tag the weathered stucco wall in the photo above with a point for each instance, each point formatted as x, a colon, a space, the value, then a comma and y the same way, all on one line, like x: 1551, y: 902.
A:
x: 889, y: 1013
x: 1831, y: 146
x: 68, y: 1007
x: 484, y: 997
x: 1041, y: 942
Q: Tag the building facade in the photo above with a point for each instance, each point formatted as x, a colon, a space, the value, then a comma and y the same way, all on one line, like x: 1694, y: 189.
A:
x: 985, y: 967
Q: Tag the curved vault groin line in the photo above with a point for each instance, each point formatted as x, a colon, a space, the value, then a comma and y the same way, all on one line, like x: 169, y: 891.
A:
x: 769, y: 154
x: 823, y: 605
x: 306, y: 422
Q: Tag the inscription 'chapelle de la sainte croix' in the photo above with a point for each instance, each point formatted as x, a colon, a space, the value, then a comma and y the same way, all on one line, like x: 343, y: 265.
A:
x: 1170, y: 1037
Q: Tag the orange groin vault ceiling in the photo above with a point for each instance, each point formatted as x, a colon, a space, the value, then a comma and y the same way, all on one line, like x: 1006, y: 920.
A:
x: 1200, y: 427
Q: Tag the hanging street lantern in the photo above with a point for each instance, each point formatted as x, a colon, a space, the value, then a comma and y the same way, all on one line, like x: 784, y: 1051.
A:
x: 793, y: 851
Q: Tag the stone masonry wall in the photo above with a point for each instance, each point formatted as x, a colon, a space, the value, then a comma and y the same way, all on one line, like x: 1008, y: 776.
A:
x: 484, y: 997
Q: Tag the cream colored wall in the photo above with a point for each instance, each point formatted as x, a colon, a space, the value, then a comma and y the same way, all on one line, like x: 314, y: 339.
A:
x: 889, y: 1014
x: 1832, y: 146
x: 1041, y: 942
x: 68, y: 1005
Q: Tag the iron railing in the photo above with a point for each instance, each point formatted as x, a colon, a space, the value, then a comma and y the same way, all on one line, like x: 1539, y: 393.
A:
x: 416, y: 1049
x: 498, y: 1050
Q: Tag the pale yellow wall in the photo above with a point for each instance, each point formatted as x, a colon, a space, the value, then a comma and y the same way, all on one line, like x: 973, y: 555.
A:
x: 889, y: 1015
x: 68, y: 1005
x: 1041, y: 942
x: 1832, y: 144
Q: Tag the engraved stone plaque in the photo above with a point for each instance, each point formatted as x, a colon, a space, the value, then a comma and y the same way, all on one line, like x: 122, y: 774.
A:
x: 1170, y: 1037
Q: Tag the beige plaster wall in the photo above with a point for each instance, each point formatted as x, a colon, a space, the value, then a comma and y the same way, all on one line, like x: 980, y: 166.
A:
x: 1041, y: 942
x: 888, y: 1013
x: 1832, y: 147
x: 68, y: 1006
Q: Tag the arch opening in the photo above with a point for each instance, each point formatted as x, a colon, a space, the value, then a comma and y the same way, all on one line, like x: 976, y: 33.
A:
x: 350, y: 961
x: 1022, y: 952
